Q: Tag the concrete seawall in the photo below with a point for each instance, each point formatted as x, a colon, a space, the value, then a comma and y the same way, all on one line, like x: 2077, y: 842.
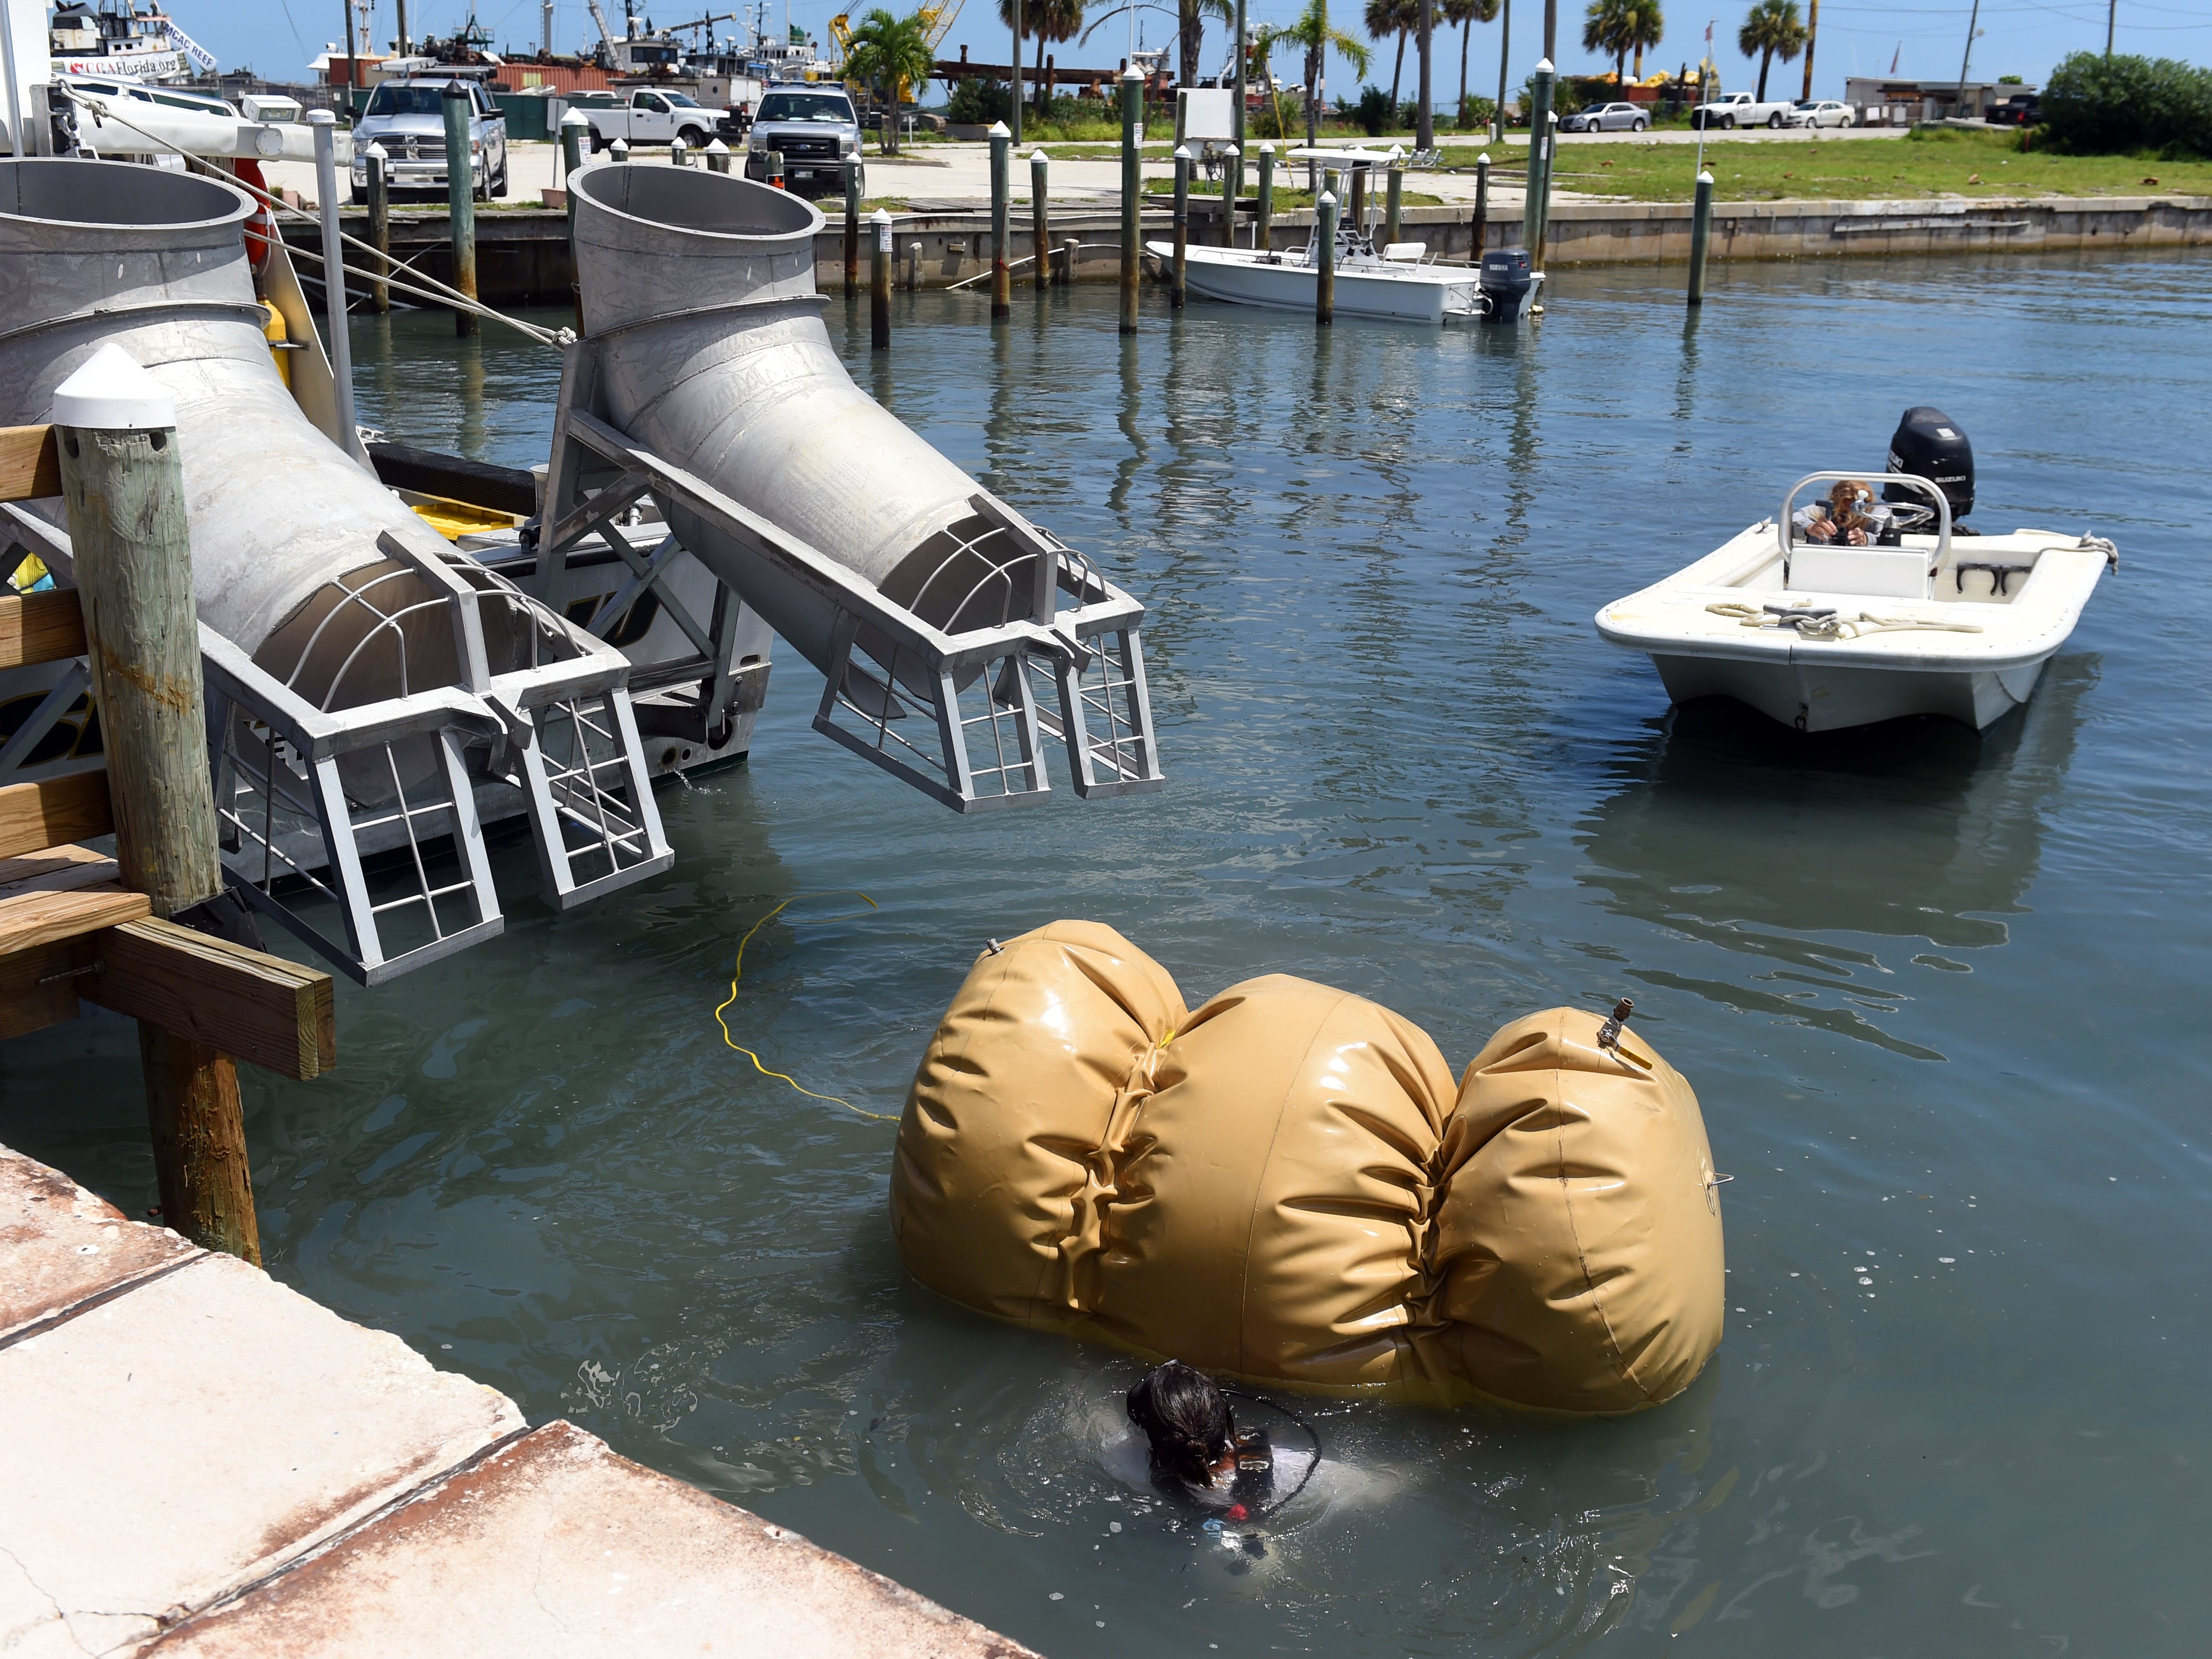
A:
x: 523, y: 256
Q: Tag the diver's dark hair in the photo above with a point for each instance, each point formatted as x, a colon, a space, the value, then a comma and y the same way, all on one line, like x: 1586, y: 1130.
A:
x: 1186, y: 1419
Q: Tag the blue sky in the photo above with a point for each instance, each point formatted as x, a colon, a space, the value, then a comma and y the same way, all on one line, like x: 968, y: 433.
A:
x: 2020, y: 37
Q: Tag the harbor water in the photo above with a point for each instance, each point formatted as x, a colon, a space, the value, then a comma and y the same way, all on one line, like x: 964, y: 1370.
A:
x: 1940, y: 995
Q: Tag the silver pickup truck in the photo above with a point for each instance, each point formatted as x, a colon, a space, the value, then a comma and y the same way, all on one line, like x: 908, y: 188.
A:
x: 406, y: 119
x: 814, y: 127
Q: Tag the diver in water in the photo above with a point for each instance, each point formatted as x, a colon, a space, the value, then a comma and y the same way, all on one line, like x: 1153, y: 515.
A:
x: 1198, y: 1452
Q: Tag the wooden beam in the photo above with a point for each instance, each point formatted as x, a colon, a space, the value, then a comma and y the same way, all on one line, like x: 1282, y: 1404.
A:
x: 239, y: 1002
x: 36, y: 816
x: 30, y: 467
x: 35, y: 919
x: 39, y: 986
x: 56, y: 870
x: 38, y: 628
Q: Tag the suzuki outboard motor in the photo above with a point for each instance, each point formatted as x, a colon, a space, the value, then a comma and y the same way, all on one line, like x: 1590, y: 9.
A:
x: 1507, y: 283
x: 1928, y: 445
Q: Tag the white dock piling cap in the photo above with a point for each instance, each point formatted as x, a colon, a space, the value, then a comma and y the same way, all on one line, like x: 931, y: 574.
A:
x: 109, y: 392
x: 1230, y: 150
x: 321, y: 117
x: 1133, y: 73
x: 1266, y: 148
x: 1706, y: 177
x: 376, y: 150
x: 1543, y: 66
x: 716, y: 147
x: 1483, y: 158
x: 1000, y: 130
x: 1182, y: 152
x: 1396, y: 154
x: 576, y: 118
x: 1039, y: 155
x: 1327, y: 200
x: 880, y: 216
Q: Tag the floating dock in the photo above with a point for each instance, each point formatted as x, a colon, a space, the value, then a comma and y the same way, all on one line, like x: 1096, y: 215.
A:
x: 202, y: 1461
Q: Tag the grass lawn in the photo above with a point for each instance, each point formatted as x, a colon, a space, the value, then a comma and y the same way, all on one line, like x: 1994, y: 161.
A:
x: 1933, y: 164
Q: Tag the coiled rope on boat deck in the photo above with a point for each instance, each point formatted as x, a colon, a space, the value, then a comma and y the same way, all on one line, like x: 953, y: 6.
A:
x: 1826, y: 624
x: 737, y: 971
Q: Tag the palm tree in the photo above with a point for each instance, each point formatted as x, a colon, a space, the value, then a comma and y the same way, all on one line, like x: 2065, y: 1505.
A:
x: 1056, y: 20
x: 1384, y: 18
x: 1313, y: 34
x: 891, y: 54
x: 1647, y: 28
x: 1467, y: 14
x: 1606, y: 28
x: 1772, y: 28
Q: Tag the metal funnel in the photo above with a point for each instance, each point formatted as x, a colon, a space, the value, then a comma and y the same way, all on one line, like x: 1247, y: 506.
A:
x: 706, y: 372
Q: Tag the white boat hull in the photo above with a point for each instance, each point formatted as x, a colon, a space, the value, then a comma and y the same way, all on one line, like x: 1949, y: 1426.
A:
x: 1970, y: 647
x: 1405, y: 293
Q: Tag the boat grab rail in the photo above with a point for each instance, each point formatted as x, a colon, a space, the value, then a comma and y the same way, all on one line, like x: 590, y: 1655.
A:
x: 1942, y: 511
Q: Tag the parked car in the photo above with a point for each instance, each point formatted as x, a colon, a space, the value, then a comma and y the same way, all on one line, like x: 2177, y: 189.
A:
x: 1607, y: 117
x: 2022, y: 109
x: 815, y: 129
x: 406, y: 119
x: 1741, y: 109
x: 659, y: 117
x: 1821, y: 113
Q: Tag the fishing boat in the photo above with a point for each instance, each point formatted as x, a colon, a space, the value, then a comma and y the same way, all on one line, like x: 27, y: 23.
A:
x: 123, y: 41
x: 1821, y: 634
x: 1398, y: 281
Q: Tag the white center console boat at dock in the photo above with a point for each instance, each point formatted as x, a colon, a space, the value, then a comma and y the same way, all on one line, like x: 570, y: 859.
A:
x: 1400, y: 280
x: 1822, y: 634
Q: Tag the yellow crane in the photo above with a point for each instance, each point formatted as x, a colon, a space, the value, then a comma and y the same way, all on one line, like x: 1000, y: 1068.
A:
x: 937, y: 21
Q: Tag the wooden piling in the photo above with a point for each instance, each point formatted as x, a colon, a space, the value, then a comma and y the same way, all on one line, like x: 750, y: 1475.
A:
x: 1539, y: 128
x: 1263, y: 220
x: 852, y: 171
x: 1325, y: 283
x: 618, y: 151
x: 1180, y: 274
x: 1039, y: 221
x: 124, y: 491
x: 1355, y: 199
x: 1068, y: 250
x: 1394, y: 199
x: 461, y: 205
x: 775, y: 169
x: 1133, y: 118
x: 1482, y: 228
x: 1701, y: 233
x: 679, y: 154
x: 1544, y: 194
x: 879, y: 286
x: 716, y: 155
x: 1002, y: 142
x: 380, y: 230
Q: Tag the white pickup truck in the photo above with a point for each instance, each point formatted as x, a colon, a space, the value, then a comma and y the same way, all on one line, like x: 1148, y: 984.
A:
x: 650, y: 117
x: 1741, y: 109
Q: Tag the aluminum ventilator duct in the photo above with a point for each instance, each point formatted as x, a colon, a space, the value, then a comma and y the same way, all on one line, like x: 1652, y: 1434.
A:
x: 707, y: 376
x: 342, y: 623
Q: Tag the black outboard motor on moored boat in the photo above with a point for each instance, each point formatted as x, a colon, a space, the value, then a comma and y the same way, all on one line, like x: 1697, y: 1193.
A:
x: 1929, y: 445
x: 1506, y: 282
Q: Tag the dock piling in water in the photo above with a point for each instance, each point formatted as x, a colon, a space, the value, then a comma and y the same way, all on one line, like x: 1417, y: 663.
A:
x: 1232, y: 188
x: 123, y: 484
x: 1263, y: 220
x: 380, y: 229
x: 1002, y: 140
x: 1182, y: 226
x: 879, y: 286
x: 618, y: 151
x: 1482, y: 227
x: 716, y: 155
x: 1068, y: 250
x: 1325, y: 284
x: 461, y: 205
x: 1394, y: 196
x: 1701, y: 233
x: 1133, y: 118
x: 852, y: 171
x: 1039, y: 221
x: 679, y: 154
x: 1540, y: 124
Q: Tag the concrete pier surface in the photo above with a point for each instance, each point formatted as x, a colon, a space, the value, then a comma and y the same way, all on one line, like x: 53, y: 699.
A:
x: 198, y: 1460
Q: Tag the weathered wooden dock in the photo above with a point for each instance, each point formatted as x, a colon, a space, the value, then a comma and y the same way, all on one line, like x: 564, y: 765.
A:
x: 201, y: 1462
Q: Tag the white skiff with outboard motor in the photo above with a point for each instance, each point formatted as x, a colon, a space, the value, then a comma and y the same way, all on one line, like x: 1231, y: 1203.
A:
x: 1821, y: 634
x: 1400, y: 281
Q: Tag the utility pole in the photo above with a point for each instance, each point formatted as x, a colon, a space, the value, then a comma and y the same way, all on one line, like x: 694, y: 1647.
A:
x: 1958, y: 102
x: 1424, y: 124
x: 2111, y: 11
